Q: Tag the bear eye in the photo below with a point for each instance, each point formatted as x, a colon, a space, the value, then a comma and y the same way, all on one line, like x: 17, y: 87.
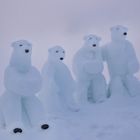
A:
x: 20, y: 45
x: 90, y: 38
x: 63, y: 51
x: 57, y: 51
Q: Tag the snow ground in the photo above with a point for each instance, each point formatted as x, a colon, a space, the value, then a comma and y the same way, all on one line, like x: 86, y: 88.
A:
x: 111, y: 120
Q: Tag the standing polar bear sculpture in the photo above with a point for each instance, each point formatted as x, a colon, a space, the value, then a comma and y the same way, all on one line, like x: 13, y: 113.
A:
x: 22, y: 82
x: 88, y: 67
x: 122, y: 63
x: 58, y: 89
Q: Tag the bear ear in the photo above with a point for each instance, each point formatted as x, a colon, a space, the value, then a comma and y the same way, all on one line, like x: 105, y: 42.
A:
x: 49, y: 50
x: 88, y: 37
x: 29, y: 44
x: 25, y: 42
x: 13, y: 44
x: 126, y: 28
x: 99, y: 38
x: 115, y: 27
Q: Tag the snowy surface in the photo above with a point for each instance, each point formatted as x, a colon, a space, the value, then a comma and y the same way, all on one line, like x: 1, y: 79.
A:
x: 117, y: 119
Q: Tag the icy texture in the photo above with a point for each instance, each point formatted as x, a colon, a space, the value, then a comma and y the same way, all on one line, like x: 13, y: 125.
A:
x: 105, y: 121
x: 22, y: 82
x: 20, y: 59
x: 58, y: 85
x: 25, y: 84
x: 27, y: 79
x: 122, y: 62
x: 88, y: 67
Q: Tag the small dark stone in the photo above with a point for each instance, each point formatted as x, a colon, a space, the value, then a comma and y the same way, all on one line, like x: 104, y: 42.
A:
x: 26, y: 51
x: 45, y: 126
x: 20, y: 45
x: 61, y: 58
x: 17, y: 130
x: 125, y: 33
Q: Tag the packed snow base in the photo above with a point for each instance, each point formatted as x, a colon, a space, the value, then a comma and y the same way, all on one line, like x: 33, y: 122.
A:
x: 111, y: 120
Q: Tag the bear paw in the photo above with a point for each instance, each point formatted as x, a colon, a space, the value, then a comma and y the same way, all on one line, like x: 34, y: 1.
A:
x: 17, y: 130
x: 44, y: 126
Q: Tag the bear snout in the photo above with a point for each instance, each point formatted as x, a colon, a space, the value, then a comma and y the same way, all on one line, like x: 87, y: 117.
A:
x: 94, y: 45
x: 20, y: 45
x: 26, y: 51
x: 125, y: 33
x: 61, y: 58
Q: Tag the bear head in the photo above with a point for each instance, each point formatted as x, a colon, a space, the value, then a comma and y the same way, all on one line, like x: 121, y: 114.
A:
x: 118, y: 33
x: 56, y: 53
x: 21, y: 56
x: 91, y: 41
x: 23, y: 47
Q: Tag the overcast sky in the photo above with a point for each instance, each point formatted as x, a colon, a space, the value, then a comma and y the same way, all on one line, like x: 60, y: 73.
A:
x: 63, y: 22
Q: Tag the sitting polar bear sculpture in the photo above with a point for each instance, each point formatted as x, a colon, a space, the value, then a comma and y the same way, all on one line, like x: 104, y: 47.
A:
x: 88, y: 67
x: 58, y: 89
x: 122, y: 63
x: 22, y: 82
